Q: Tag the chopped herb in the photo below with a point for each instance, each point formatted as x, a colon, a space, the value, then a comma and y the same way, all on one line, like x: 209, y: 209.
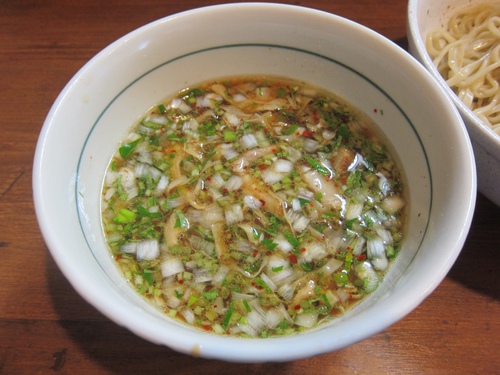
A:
x: 126, y: 150
x: 269, y: 244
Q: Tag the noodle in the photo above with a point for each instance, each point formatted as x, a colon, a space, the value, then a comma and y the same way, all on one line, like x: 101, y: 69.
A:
x: 467, y: 55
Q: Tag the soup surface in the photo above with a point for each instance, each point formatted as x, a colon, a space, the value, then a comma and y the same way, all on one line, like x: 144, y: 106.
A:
x: 253, y: 206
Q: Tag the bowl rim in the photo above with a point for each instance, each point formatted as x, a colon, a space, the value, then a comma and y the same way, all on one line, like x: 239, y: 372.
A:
x: 102, y: 304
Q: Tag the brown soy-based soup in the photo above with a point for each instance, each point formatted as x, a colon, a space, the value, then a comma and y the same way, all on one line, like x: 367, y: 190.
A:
x: 253, y: 206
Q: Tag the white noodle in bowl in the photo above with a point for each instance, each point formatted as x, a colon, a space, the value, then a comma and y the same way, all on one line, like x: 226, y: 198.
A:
x: 464, y: 61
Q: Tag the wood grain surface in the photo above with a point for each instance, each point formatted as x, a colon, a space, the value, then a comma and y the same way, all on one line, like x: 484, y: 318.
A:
x: 47, y: 328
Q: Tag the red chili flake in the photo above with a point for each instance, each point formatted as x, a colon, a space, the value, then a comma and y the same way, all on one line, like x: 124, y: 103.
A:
x: 181, y: 281
x: 293, y: 258
x: 274, y: 151
x: 303, y: 249
x: 262, y: 201
x: 206, y: 327
x: 255, y: 253
x: 375, y: 110
x: 362, y: 257
x: 296, y: 307
x: 343, y: 179
x: 225, y: 191
x: 306, y: 133
x: 262, y: 167
x: 118, y: 257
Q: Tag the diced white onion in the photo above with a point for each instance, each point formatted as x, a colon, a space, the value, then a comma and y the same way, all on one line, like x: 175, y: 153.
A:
x: 298, y: 221
x: 283, y: 166
x: 353, y: 210
x: 383, y: 184
x: 220, y: 275
x: 239, y: 97
x: 343, y: 294
x: 233, y: 214
x: 331, y: 266
x: 385, y: 235
x: 359, y: 246
x: 129, y: 248
x: 313, y: 251
x: 328, y: 134
x: 201, y: 275
x: 376, y: 253
x: 268, y: 281
x: 271, y: 177
x: 110, y: 178
x: 180, y: 104
x: 286, y: 291
x: 252, y: 202
x: 109, y: 193
x: 157, y: 119
x: 217, y: 181
x: 273, y: 318
x: 171, y: 266
x: 310, y: 145
x: 234, y: 182
x: 307, y: 319
x: 232, y: 119
x: 176, y: 202
x: 366, y: 272
x: 392, y: 204
x: 228, y: 151
x: 162, y: 185
x: 283, y: 244
x: 188, y: 314
x: 148, y: 250
x: 248, y: 141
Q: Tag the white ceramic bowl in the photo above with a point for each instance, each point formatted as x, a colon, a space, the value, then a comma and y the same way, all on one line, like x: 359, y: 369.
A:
x: 102, y: 101
x: 423, y: 17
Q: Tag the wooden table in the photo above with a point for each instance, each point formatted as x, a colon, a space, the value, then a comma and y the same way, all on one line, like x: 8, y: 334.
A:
x: 46, y: 327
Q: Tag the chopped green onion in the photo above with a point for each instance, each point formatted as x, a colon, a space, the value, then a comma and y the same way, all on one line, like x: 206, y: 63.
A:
x: 124, y: 216
x: 290, y: 129
x: 316, y: 165
x: 263, y: 284
x: 229, y: 135
x: 247, y: 305
x: 148, y: 276
x: 227, y: 317
x: 192, y: 300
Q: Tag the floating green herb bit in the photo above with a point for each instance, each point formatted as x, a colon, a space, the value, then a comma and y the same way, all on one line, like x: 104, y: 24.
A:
x: 127, y: 149
x: 246, y: 203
